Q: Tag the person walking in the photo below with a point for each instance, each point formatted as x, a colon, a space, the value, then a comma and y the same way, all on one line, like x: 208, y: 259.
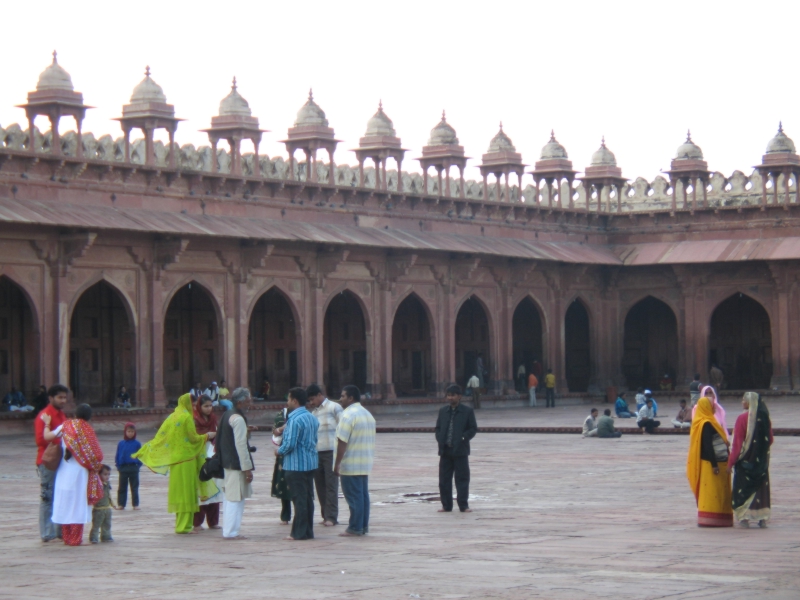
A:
x: 326, y: 481
x: 299, y: 451
x: 550, y: 388
x: 533, y: 383
x: 455, y: 427
x: 355, y: 452
x: 175, y: 450
x: 474, y: 386
x: 749, y: 462
x: 237, y: 463
x: 57, y: 398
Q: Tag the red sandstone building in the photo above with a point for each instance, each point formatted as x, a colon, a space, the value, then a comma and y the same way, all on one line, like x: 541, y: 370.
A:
x: 131, y: 262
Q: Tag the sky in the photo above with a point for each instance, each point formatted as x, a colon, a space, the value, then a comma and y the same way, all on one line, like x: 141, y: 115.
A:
x: 639, y: 73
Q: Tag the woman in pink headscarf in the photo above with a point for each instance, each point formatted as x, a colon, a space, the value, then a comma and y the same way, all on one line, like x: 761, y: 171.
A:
x: 719, y: 412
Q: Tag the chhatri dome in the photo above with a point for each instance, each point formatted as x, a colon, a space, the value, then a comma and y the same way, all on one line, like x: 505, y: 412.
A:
x: 604, y: 157
x: 148, y: 91
x: 501, y: 142
x: 443, y: 134
x: 310, y: 113
x: 54, y: 77
x: 234, y: 105
x: 781, y: 143
x: 553, y: 149
x: 689, y: 149
x: 380, y: 124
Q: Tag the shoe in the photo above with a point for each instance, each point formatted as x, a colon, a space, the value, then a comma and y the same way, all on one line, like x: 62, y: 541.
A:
x: 93, y: 541
x: 762, y: 523
x: 108, y: 540
x: 744, y: 523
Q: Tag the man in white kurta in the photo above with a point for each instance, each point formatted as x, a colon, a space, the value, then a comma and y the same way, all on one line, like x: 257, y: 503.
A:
x: 233, y: 446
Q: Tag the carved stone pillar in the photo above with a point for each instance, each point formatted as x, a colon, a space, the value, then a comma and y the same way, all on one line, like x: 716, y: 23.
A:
x: 159, y: 397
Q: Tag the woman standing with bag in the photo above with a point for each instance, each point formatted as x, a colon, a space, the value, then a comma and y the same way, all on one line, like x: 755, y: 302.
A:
x: 175, y: 451
x: 78, y: 485
x: 208, y: 492
x: 710, y: 484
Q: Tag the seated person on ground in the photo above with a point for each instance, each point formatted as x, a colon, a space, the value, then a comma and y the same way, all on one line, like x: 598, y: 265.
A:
x: 621, y: 407
x: 590, y: 424
x: 684, y: 418
x: 646, y: 417
x: 15, y: 400
x: 605, y: 426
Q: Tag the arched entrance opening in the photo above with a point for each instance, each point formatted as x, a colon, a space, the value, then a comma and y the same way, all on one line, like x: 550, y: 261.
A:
x: 101, y: 347
x: 272, y: 345
x: 472, y: 341
x: 344, y: 345
x: 411, y: 348
x: 650, y: 346
x: 577, y: 351
x: 192, y: 343
x: 741, y: 343
x: 526, y: 325
x: 19, y: 342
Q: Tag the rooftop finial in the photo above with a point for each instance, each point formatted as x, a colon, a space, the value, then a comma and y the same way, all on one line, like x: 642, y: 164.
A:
x: 55, y: 57
x: 443, y: 119
x: 688, y: 136
x: 552, y: 136
x: 603, y: 142
x: 233, y: 84
x: 380, y: 105
x: 310, y: 95
x: 147, y: 71
x: 780, y: 126
x: 501, y: 126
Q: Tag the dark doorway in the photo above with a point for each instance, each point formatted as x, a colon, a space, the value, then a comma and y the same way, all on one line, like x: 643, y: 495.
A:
x: 741, y: 343
x: 472, y: 341
x: 19, y: 342
x: 577, y: 354
x: 101, y: 342
x: 526, y: 326
x: 192, y: 348
x: 344, y: 345
x: 411, y: 348
x: 272, y: 344
x: 650, y: 344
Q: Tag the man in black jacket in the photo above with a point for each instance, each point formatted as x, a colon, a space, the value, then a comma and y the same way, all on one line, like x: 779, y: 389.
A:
x: 455, y: 427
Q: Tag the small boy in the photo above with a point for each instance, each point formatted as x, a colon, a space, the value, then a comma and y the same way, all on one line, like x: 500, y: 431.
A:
x: 101, y: 513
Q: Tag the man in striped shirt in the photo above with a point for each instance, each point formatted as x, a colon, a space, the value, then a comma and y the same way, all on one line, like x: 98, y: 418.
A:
x: 355, y: 451
x: 327, y: 484
x: 299, y: 452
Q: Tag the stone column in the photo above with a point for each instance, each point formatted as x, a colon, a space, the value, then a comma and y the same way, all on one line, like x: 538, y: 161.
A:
x: 385, y: 311
x: 156, y: 309
x: 61, y: 328
x: 505, y: 342
x: 143, y: 351
x: 241, y: 321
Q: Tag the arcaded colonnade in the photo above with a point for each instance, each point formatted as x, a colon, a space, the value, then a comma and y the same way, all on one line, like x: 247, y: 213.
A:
x: 130, y: 262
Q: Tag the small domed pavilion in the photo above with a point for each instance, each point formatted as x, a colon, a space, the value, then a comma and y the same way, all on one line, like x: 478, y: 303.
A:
x: 781, y: 159
x: 689, y: 168
x: 603, y: 173
x: 553, y: 167
x: 442, y: 152
x: 310, y: 133
x: 380, y: 142
x: 501, y: 159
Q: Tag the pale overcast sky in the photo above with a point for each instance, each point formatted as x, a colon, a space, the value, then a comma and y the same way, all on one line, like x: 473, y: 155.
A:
x: 638, y: 72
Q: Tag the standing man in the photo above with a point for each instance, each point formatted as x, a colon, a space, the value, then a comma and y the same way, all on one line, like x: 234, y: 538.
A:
x: 355, y: 452
x: 550, y: 388
x: 57, y: 396
x: 474, y: 385
x: 234, y: 454
x: 299, y: 451
x: 326, y: 481
x: 694, y: 389
x: 716, y: 378
x: 480, y: 370
x: 533, y: 383
x: 455, y: 427
x: 521, y: 377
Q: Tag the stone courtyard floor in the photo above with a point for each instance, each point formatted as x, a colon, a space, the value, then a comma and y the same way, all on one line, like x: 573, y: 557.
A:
x: 555, y: 516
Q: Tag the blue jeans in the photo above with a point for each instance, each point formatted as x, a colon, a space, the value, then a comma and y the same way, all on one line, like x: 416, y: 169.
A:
x: 47, y: 529
x: 356, y: 492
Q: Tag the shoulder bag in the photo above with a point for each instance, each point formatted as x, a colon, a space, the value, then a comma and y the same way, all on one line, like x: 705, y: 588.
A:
x: 720, y: 448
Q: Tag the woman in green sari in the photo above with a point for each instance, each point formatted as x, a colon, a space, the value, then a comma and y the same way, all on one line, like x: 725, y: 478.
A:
x: 179, y: 451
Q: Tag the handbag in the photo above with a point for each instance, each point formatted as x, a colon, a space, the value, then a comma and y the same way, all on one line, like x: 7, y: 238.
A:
x: 212, y: 469
x: 720, y: 448
x: 51, y: 457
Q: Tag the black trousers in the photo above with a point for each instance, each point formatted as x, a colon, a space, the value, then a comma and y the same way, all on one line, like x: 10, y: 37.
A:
x: 301, y: 489
x: 128, y: 475
x: 286, y: 510
x: 450, y: 465
x: 648, y: 424
x: 550, y: 394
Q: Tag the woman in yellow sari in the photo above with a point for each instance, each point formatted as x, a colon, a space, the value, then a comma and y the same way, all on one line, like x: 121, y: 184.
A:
x: 179, y: 451
x: 710, y: 482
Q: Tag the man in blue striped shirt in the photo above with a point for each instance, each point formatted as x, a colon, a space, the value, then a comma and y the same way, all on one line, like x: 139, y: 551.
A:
x: 299, y: 452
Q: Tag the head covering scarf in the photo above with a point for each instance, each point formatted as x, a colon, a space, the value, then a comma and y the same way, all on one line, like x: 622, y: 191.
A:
x: 752, y: 463
x: 176, y: 440
x: 129, y: 425
x: 719, y: 412
x: 204, y: 424
x: 81, y: 441
x: 704, y: 413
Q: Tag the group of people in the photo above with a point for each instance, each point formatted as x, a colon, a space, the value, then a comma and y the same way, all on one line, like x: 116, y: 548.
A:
x: 15, y: 401
x: 533, y: 382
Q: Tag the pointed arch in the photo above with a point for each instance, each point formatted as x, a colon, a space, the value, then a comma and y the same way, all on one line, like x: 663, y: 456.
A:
x: 527, y: 341
x: 578, y: 358
x: 362, y: 303
x: 650, y: 344
x: 412, y: 346
x: 127, y: 301
x: 20, y: 340
x: 740, y: 342
x: 102, y: 343
x: 345, y: 339
x: 205, y: 285
x: 473, y: 339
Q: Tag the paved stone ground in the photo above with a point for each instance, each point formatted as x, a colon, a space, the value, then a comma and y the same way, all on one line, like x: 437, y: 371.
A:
x: 555, y: 516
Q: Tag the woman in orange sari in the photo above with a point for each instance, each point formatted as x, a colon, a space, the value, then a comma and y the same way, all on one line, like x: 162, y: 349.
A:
x: 710, y: 482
